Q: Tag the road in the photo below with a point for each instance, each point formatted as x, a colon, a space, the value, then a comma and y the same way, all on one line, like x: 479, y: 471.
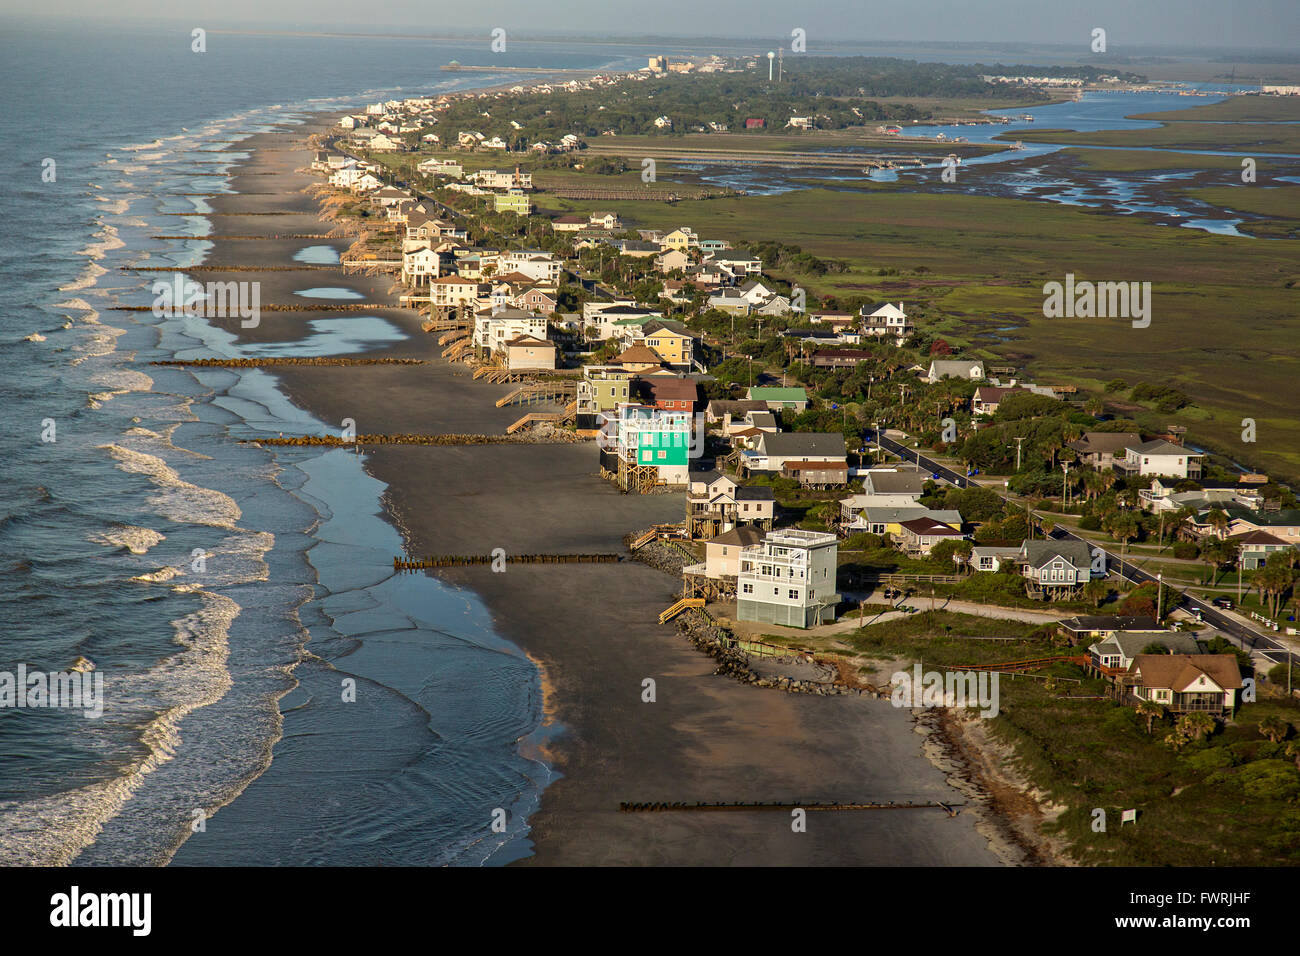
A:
x: 1246, y: 637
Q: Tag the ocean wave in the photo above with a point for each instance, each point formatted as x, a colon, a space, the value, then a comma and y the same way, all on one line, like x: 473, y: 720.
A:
x: 136, y: 540
x: 120, y: 381
x: 101, y: 340
x: 139, y: 147
x: 92, y: 318
x: 161, y: 576
x: 34, y: 337
x: 114, y: 207
x: 108, y: 240
x: 52, y: 830
x: 89, y: 275
x: 180, y: 501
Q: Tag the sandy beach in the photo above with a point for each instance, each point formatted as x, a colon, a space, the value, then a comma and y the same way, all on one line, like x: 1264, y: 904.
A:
x: 593, y: 628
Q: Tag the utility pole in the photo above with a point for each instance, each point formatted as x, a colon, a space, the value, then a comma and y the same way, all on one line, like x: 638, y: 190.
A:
x: 1065, y: 485
x: 1238, y: 577
x: 1018, y: 440
x: 1160, y: 594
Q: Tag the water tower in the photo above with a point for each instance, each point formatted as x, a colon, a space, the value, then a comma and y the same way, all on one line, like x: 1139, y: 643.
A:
x: 770, y: 57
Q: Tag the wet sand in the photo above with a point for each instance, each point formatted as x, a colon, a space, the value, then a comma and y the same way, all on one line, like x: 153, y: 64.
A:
x: 594, y: 628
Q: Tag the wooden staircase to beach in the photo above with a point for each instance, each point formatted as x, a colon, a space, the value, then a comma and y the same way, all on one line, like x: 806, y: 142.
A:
x: 679, y: 607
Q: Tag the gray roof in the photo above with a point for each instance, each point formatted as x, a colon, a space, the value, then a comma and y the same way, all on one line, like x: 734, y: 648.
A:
x: 1105, y: 442
x: 1109, y: 622
x: 948, y: 368
x: 1133, y: 643
x: 1161, y: 447
x: 744, y: 535
x: 879, y: 515
x: 895, y: 482
x: 803, y: 444
x: 1038, y: 553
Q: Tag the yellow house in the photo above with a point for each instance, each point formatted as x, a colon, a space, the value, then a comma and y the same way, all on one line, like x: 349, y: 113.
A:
x: 675, y: 348
x: 680, y: 239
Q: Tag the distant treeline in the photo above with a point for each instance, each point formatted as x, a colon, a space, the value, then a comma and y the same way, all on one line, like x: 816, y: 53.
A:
x: 837, y: 92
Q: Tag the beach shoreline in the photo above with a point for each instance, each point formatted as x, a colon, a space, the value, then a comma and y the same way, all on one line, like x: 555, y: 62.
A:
x: 592, y: 628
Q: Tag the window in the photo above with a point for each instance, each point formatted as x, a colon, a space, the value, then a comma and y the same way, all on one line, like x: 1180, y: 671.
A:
x: 663, y: 455
x: 748, y: 589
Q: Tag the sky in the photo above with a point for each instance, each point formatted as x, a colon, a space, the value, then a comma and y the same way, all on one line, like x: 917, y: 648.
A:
x: 1217, y: 24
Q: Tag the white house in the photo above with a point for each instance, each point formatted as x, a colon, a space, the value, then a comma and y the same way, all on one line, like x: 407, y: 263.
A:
x: 493, y: 330
x: 971, y: 370
x: 420, y: 266
x: 886, y: 319
x: 538, y: 266
x: 789, y: 579
x: 1160, y: 457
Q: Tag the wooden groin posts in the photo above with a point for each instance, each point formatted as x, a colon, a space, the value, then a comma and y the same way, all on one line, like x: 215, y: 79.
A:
x: 742, y: 805
x: 466, y: 560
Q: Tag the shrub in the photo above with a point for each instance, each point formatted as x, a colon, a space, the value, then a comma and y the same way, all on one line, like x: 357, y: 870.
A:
x: 1186, y: 550
x: 1090, y: 523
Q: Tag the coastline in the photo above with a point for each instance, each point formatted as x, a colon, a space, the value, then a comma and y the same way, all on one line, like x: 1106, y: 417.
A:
x: 594, y: 630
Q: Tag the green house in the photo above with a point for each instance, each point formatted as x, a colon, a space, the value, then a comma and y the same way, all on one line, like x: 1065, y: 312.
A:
x: 664, y: 449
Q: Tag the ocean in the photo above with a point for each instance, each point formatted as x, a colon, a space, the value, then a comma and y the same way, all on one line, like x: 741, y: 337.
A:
x: 220, y: 589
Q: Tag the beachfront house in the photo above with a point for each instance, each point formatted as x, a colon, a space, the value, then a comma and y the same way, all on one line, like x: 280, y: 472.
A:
x: 718, y: 572
x: 643, y: 446
x: 492, y: 330
x: 1055, y: 569
x: 527, y: 352
x: 1186, y: 683
x: 991, y: 558
x: 1159, y: 457
x: 1111, y: 657
x: 716, y: 502
x: 457, y: 292
x: 789, y: 579
x: 420, y: 265
x: 602, y: 389
x: 1099, y: 449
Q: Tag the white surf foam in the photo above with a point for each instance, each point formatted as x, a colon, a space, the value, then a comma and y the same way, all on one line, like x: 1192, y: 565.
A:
x: 178, y: 499
x: 136, y: 540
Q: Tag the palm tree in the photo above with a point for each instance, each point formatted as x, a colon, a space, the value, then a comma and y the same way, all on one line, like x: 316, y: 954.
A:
x: 1274, y: 581
x: 1274, y: 728
x: 1096, y: 591
x: 1196, y: 726
x: 1151, y: 711
x: 1293, y: 751
x: 1218, y: 520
